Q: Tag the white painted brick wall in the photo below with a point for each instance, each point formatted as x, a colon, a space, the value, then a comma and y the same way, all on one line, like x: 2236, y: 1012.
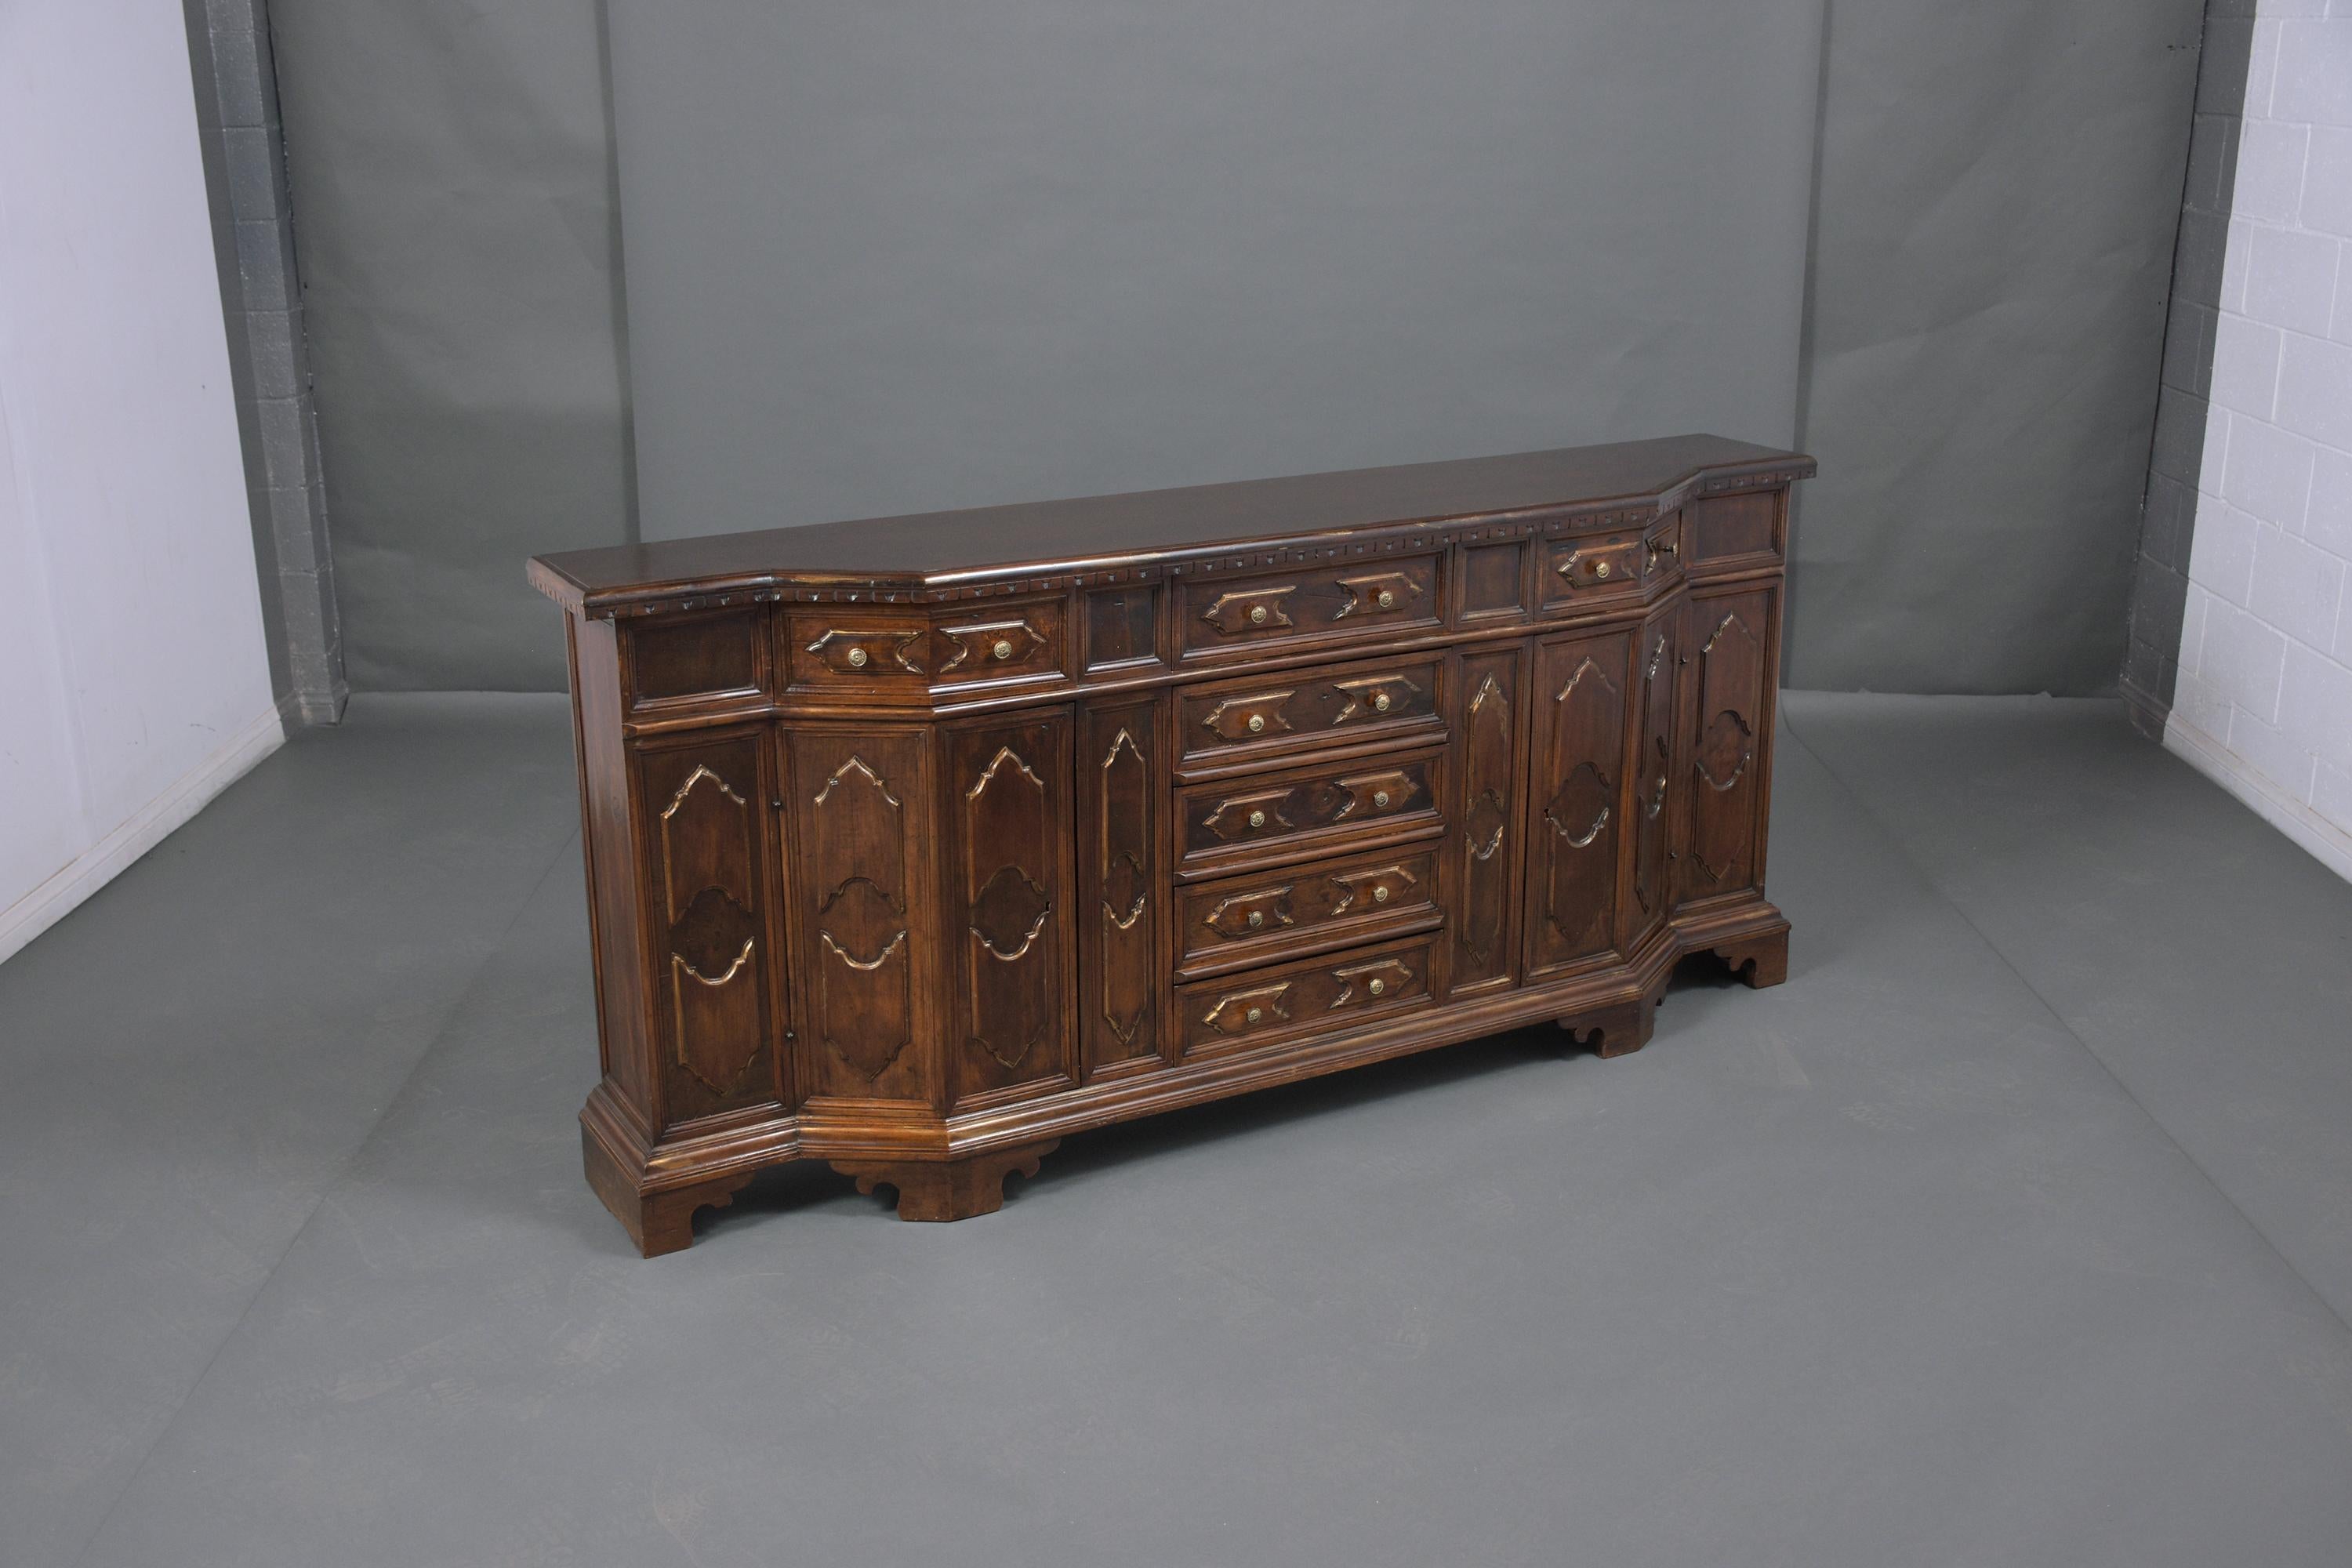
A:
x: 2264, y: 700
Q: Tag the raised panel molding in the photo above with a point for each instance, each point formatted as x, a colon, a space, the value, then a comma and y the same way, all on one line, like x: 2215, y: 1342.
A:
x: 709, y: 842
x: 1579, y: 773
x: 1011, y: 785
x: 1486, y: 875
x: 1731, y: 685
x: 855, y: 848
x: 1119, y: 825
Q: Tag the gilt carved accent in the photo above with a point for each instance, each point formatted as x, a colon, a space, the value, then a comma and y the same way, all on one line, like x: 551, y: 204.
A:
x: 861, y: 998
x: 1125, y: 954
x: 705, y: 844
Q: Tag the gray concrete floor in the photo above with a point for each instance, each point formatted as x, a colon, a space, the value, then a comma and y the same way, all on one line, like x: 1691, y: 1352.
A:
x: 2013, y: 1229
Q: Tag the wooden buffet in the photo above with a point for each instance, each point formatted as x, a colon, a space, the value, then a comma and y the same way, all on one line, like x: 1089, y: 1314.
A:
x: 914, y: 844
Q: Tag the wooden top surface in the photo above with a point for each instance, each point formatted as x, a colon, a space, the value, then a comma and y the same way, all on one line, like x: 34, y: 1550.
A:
x: 930, y: 548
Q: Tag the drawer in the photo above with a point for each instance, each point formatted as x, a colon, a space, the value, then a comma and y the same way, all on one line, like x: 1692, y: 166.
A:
x: 1368, y: 597
x: 1246, y: 819
x: 889, y: 655
x: 1268, y: 713
x: 1732, y: 533
x: 1307, y: 998
x: 1604, y: 568
x: 697, y: 661
x: 1321, y: 902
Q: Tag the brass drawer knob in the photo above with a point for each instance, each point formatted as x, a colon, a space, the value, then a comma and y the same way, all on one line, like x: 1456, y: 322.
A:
x: 1380, y: 703
x: 1257, y: 615
x: 1257, y: 819
x: 1381, y: 797
x: 1256, y: 723
x: 1385, y: 600
x: 1601, y: 569
x: 1380, y: 894
x: 857, y: 658
x: 1377, y: 986
x: 1002, y: 649
x: 1255, y: 1015
x: 1256, y: 919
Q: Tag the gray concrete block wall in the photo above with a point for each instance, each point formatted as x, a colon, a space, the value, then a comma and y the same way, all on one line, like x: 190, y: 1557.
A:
x: 261, y: 302
x: 2177, y: 458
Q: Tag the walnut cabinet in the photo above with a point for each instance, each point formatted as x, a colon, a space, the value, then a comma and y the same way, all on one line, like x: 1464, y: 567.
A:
x: 915, y: 845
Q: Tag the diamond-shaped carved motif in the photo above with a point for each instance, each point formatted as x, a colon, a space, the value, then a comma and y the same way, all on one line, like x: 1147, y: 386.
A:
x: 1725, y: 751
x: 1124, y: 891
x: 1010, y: 912
x: 713, y: 937
x: 1579, y: 809
x: 1485, y: 825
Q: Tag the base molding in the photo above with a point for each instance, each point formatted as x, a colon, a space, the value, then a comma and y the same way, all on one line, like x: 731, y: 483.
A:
x: 955, y: 1167
x: 2324, y: 841
x: 58, y: 895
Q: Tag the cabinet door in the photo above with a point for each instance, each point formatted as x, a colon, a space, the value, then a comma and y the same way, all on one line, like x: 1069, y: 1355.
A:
x: 707, y: 859
x: 860, y: 857
x: 1009, y: 804
x: 1576, y: 805
x: 1650, y: 890
x: 1732, y: 639
x: 1120, y: 785
x: 1489, y: 831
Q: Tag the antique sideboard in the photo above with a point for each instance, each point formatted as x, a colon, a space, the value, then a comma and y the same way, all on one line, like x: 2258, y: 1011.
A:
x: 915, y: 845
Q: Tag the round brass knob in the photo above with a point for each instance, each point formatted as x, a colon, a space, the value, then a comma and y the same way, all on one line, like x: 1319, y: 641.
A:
x: 1257, y: 819
x: 1380, y: 798
x: 1257, y: 615
x: 1385, y: 600
x: 1002, y: 649
x: 1380, y: 894
x: 1380, y: 703
x: 1377, y: 986
x: 1601, y: 569
x: 1255, y: 1014
x: 857, y: 658
x: 1256, y: 723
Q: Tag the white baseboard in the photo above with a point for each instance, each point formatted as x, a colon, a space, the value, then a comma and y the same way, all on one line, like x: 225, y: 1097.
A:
x: 92, y: 870
x: 2324, y: 840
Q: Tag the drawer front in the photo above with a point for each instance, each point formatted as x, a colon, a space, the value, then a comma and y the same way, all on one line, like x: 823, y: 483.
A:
x: 1606, y: 568
x: 1735, y: 533
x: 997, y: 644
x: 1228, y: 921
x: 697, y: 661
x: 1243, y: 1010
x: 1269, y: 712
x: 902, y: 656
x: 1366, y: 598
x: 1233, y: 820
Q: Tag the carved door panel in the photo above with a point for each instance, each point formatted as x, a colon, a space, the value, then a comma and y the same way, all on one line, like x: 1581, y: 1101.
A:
x: 1731, y: 639
x: 1009, y: 802
x: 1487, y: 835
x: 1576, y: 808
x: 857, y: 800
x: 1119, y: 791
x: 705, y: 827
x: 1650, y: 893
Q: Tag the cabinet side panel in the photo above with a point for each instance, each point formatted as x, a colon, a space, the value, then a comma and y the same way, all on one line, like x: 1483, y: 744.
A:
x: 706, y: 816
x: 609, y: 847
x: 1121, y: 898
x: 854, y: 798
x: 1581, y: 702
x: 1009, y: 799
x: 1730, y: 637
x: 1650, y: 890
x: 1486, y: 842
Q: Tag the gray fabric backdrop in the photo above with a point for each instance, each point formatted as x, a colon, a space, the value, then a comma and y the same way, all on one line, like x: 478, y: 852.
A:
x: 932, y: 254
